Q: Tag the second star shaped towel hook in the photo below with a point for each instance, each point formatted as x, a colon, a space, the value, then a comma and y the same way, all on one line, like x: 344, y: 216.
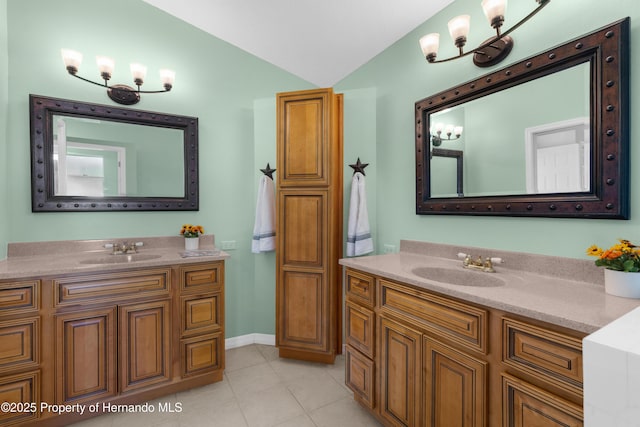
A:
x: 359, y: 166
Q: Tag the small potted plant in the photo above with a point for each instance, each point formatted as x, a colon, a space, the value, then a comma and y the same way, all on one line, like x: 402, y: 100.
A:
x: 622, y: 263
x: 191, y: 234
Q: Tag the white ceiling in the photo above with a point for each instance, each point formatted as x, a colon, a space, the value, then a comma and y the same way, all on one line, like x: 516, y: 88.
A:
x: 321, y: 41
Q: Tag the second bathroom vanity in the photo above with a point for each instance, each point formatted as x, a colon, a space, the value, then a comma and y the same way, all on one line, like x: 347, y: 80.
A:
x: 92, y: 332
x: 430, y: 343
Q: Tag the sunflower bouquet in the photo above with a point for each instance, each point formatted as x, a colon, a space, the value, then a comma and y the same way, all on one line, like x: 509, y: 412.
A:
x: 189, y: 230
x: 623, y: 256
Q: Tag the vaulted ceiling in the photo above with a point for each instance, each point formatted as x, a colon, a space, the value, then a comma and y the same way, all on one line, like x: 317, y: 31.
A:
x: 321, y: 41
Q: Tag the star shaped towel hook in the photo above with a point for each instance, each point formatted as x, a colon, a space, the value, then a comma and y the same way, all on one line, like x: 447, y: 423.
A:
x: 268, y: 171
x: 359, y: 167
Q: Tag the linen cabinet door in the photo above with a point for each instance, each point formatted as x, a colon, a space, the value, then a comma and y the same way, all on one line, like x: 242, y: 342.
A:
x: 144, y: 344
x: 85, y: 355
x: 400, y: 365
x: 304, y: 291
x: 304, y: 137
x: 455, y: 387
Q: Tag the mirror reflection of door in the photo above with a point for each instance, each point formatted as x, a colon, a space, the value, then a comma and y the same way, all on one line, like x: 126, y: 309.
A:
x: 558, y: 157
x: 88, y: 170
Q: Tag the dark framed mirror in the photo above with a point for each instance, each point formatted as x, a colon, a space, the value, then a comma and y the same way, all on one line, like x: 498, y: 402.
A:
x: 547, y: 136
x: 90, y: 157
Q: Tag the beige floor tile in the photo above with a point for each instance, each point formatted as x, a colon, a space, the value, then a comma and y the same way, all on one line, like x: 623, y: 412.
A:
x: 205, y: 395
x: 290, y: 369
x: 252, y: 379
x: 299, y: 421
x: 226, y: 414
x: 316, y: 390
x: 269, y: 352
x: 269, y: 407
x: 242, y: 357
x: 343, y: 413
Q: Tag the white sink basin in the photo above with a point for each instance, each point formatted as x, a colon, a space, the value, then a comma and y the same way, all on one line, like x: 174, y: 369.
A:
x: 120, y: 259
x: 458, y: 277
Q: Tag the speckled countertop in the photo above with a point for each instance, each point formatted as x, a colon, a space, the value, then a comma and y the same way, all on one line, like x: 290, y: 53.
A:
x: 562, y: 291
x: 41, y: 259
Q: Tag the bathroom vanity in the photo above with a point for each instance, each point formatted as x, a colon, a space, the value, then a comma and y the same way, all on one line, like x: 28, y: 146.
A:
x: 81, y: 327
x: 432, y: 344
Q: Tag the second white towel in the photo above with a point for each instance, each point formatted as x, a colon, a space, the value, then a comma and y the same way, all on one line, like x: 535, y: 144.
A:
x: 264, y: 229
x: 359, y: 241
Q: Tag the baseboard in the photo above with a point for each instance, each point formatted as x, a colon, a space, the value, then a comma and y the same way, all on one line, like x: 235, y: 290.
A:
x: 242, y: 340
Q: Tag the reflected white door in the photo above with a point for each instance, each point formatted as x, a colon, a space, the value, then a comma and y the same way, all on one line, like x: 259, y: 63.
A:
x: 558, y: 169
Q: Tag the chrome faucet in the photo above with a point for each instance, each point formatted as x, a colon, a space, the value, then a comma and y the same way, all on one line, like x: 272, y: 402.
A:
x: 479, y: 263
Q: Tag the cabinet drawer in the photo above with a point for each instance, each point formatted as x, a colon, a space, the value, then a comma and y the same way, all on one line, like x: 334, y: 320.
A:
x: 21, y: 388
x: 359, y: 376
x: 201, y: 278
x: 113, y: 286
x: 201, y: 313
x: 461, y: 323
x: 202, y: 354
x: 16, y: 297
x: 360, y: 287
x: 526, y: 405
x: 19, y: 340
x: 360, y: 328
x: 538, y: 351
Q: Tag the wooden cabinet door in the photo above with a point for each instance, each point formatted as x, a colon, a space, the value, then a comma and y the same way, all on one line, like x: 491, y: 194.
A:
x: 144, y: 344
x: 455, y: 388
x: 525, y: 405
x: 303, y: 297
x: 304, y: 133
x: 85, y: 355
x: 400, y: 363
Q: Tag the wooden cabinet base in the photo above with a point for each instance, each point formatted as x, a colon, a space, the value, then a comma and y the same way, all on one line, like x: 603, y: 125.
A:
x: 415, y: 358
x: 92, y: 341
x: 309, y: 356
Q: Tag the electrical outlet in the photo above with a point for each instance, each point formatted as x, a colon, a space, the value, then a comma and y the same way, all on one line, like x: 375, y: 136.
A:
x: 227, y: 245
x: 389, y: 249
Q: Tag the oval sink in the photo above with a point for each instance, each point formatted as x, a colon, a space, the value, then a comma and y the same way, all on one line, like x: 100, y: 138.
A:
x: 458, y: 277
x: 120, y: 259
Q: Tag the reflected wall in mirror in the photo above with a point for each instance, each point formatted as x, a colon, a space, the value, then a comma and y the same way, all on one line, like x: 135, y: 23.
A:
x: 547, y: 136
x: 90, y: 157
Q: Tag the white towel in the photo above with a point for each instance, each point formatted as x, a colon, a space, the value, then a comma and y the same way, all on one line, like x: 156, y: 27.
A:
x: 359, y: 241
x: 264, y: 229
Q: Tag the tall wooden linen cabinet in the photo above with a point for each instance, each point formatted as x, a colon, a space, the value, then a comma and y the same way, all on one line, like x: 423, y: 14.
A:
x: 309, y: 225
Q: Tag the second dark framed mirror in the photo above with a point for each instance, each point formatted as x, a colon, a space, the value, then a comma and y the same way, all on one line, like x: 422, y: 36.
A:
x: 547, y: 136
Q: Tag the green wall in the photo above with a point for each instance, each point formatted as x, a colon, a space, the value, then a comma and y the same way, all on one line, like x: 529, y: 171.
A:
x: 401, y: 77
x: 215, y: 82
x: 4, y: 111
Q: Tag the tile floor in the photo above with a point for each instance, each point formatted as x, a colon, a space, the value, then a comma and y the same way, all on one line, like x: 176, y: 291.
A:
x: 259, y: 390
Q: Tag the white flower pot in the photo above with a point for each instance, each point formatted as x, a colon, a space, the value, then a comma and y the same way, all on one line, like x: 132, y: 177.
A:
x: 622, y: 284
x: 191, y: 243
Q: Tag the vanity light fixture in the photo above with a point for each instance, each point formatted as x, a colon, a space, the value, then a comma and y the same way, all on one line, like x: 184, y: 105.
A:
x: 492, y: 50
x: 438, y: 128
x: 122, y: 94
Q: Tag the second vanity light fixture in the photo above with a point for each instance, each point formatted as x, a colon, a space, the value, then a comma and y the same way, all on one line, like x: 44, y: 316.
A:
x: 492, y: 50
x: 449, y: 130
x: 122, y: 94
